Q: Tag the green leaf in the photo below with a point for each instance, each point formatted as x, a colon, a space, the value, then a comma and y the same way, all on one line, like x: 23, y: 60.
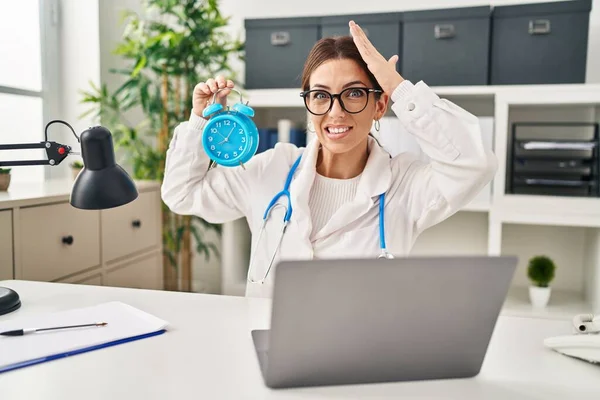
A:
x: 187, y: 39
x: 541, y: 270
x: 138, y: 67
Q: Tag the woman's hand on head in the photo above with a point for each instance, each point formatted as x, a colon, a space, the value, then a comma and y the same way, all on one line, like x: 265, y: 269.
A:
x: 383, y: 70
x: 204, y: 91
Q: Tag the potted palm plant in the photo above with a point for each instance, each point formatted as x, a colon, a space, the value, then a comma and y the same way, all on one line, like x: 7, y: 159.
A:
x: 541, y: 271
x: 4, y: 178
x: 168, y: 49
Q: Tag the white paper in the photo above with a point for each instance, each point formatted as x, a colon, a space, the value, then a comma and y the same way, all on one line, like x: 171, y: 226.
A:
x: 124, y: 321
x: 558, y: 145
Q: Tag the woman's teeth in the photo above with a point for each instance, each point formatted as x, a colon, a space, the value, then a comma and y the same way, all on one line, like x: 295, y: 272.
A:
x: 338, y: 130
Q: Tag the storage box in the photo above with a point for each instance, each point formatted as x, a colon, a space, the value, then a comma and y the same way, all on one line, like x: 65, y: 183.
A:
x: 276, y: 49
x: 540, y: 43
x: 384, y: 30
x: 447, y: 47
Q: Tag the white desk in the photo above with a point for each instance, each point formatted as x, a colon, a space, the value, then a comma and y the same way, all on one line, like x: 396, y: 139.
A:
x: 208, y: 354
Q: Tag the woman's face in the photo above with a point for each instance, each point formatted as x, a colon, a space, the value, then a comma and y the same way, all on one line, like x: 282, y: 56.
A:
x: 340, y: 131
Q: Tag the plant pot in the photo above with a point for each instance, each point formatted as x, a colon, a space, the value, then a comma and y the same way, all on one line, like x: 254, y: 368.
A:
x: 75, y: 172
x: 539, y: 296
x: 4, y: 182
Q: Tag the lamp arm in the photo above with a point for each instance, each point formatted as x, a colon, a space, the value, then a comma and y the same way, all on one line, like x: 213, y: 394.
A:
x: 55, y: 152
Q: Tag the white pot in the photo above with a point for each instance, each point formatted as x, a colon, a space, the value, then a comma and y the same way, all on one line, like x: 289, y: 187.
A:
x: 539, y: 296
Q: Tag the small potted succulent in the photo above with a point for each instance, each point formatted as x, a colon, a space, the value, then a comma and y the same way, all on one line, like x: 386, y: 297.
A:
x: 541, y: 271
x: 76, y: 167
x: 4, y: 178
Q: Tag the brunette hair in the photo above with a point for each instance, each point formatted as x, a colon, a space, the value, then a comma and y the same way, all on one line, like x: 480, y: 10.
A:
x: 335, y: 48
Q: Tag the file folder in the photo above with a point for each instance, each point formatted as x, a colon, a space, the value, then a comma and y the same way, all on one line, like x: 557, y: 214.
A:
x: 125, y: 324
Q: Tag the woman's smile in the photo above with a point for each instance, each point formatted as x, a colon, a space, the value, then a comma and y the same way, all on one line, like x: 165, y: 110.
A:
x: 337, y: 132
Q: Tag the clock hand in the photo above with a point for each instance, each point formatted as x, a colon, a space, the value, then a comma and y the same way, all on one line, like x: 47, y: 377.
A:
x: 232, y: 129
x: 227, y: 138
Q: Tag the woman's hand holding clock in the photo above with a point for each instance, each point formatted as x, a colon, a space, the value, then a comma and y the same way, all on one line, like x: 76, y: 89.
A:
x: 229, y: 136
x: 204, y: 91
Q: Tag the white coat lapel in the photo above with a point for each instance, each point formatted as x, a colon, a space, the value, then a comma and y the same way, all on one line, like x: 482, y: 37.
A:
x: 375, y: 179
x: 300, y: 191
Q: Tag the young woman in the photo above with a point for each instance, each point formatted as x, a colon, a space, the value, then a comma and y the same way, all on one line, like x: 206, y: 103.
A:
x: 348, y: 197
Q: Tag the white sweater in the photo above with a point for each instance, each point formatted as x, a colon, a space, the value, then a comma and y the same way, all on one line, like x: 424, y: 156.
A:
x: 326, y: 196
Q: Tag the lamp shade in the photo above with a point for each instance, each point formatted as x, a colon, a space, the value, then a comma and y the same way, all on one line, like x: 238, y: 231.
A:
x: 102, y: 183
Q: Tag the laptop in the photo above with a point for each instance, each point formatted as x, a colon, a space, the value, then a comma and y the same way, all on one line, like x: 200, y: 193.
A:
x: 358, y: 321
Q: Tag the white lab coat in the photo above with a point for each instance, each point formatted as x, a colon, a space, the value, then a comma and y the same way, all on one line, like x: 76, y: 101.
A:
x: 418, y: 194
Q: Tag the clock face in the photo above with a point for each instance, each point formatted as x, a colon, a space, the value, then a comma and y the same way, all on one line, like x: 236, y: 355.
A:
x: 226, y: 140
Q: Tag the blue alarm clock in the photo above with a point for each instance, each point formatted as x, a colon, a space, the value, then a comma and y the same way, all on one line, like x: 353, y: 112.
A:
x: 230, y: 137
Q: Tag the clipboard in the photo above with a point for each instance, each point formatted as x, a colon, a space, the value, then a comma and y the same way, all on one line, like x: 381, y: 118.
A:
x: 125, y: 324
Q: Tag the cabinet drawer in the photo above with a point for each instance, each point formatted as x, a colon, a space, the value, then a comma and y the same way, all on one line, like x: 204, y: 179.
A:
x: 447, y: 47
x: 58, y: 240
x: 540, y: 43
x: 131, y: 228
x: 276, y: 49
x: 6, y: 245
x: 143, y: 273
x: 87, y: 278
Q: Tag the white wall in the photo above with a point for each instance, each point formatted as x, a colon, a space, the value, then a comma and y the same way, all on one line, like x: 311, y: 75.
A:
x: 240, y: 9
x: 79, y: 44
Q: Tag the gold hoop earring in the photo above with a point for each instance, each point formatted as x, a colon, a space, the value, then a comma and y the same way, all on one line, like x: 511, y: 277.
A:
x: 377, y: 125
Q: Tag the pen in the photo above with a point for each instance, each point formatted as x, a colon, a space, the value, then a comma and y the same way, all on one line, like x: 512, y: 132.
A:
x: 21, y: 332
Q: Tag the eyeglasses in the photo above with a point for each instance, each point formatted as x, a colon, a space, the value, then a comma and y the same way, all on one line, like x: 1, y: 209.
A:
x: 353, y: 100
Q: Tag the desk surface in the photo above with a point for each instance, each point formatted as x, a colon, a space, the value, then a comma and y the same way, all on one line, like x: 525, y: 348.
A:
x: 208, y: 354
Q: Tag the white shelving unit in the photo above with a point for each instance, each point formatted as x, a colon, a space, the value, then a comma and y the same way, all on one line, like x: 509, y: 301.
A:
x: 565, y: 228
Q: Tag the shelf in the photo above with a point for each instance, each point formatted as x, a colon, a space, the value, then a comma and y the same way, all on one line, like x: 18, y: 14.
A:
x: 547, y: 210
x: 291, y: 97
x: 274, y: 98
x: 562, y: 305
x: 476, y: 206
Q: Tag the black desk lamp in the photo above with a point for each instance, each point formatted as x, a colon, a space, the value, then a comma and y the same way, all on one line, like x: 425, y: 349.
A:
x: 100, y: 185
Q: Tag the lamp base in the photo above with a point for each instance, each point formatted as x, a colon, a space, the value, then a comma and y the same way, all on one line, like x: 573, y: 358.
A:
x: 9, y: 301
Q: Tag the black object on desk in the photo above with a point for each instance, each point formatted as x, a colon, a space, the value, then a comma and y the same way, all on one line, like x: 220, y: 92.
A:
x: 9, y: 301
x: 100, y: 185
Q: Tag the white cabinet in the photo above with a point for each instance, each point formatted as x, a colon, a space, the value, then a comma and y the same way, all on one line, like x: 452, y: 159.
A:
x: 141, y: 273
x: 6, y: 245
x: 93, y: 278
x: 54, y: 241
x: 131, y: 228
x: 58, y: 240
